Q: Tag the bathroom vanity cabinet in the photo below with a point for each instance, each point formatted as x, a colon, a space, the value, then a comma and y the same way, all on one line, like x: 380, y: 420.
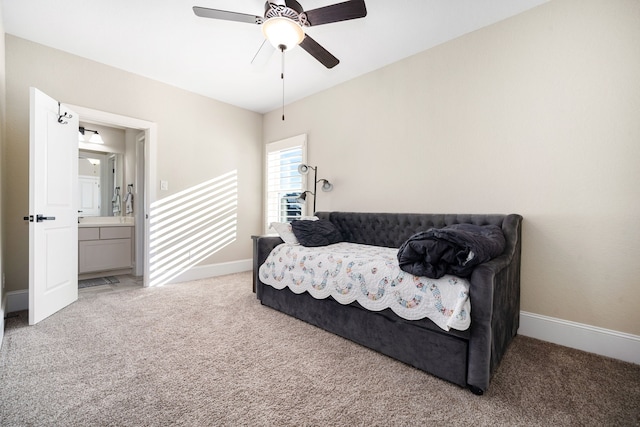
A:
x: 104, y: 248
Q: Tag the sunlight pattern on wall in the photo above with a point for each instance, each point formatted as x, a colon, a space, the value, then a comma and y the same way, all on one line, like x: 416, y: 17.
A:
x: 191, y: 225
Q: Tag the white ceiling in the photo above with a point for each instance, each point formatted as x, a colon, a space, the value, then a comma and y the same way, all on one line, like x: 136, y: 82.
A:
x: 165, y: 41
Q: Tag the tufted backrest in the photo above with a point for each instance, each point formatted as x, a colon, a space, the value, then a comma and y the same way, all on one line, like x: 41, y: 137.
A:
x: 392, y: 229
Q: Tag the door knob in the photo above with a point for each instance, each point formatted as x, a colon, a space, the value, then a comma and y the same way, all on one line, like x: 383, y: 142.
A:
x: 40, y: 218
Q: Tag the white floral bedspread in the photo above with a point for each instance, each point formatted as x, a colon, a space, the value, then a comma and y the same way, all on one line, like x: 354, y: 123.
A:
x: 369, y: 275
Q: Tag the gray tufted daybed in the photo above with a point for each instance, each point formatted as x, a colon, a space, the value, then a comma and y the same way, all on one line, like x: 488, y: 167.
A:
x: 467, y: 358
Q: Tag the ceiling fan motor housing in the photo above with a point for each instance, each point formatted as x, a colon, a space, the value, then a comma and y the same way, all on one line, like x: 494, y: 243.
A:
x: 290, y: 9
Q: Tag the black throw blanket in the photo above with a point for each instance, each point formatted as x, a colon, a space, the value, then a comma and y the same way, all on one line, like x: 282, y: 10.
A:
x: 455, y: 249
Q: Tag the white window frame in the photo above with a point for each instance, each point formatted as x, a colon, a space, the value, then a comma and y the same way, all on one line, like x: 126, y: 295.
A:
x: 273, y: 148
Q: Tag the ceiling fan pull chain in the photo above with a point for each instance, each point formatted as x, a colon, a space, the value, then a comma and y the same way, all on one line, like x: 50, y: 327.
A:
x: 282, y: 47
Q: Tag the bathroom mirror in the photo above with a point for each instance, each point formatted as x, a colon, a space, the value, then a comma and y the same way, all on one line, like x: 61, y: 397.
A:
x: 100, y: 183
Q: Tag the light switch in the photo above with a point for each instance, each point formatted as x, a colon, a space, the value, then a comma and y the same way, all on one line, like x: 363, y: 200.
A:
x: 164, y: 185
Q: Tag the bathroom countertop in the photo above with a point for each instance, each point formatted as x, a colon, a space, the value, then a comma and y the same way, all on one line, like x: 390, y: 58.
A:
x: 106, y: 222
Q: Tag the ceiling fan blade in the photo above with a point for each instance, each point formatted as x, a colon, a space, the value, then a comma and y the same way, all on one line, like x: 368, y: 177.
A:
x: 318, y: 52
x: 262, y: 56
x: 205, y: 12
x: 352, y: 9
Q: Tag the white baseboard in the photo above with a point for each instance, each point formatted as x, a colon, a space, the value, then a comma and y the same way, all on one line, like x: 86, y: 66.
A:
x: 212, y: 270
x: 17, y: 301
x: 604, y: 342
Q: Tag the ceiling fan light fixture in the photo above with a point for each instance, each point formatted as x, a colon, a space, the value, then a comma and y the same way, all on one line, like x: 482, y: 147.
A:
x: 282, y: 32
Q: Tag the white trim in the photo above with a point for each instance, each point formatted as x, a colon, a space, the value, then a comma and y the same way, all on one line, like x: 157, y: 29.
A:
x: 16, y: 301
x: 150, y: 155
x: 271, y: 147
x: 139, y: 213
x: 212, y: 270
x: 283, y: 144
x: 592, y: 339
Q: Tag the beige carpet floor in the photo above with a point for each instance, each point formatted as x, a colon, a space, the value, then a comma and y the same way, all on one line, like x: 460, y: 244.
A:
x: 206, y: 353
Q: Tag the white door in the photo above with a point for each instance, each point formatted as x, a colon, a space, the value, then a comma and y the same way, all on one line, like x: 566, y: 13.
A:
x: 53, y: 201
x: 89, y: 194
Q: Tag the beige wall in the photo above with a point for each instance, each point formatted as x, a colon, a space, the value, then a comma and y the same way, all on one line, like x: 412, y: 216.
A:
x: 538, y: 115
x: 198, y: 138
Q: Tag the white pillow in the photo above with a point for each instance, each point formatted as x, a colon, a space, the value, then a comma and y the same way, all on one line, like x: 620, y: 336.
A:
x: 284, y: 229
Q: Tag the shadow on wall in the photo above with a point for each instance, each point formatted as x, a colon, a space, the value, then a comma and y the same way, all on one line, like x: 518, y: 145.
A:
x: 191, y: 225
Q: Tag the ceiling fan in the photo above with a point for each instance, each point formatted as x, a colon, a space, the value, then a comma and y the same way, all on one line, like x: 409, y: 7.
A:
x: 284, y: 21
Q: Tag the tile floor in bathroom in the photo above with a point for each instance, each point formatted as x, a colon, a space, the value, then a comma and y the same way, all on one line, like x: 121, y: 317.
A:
x: 127, y: 281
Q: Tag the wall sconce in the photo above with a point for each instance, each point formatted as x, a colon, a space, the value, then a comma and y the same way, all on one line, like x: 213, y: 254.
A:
x: 326, y: 185
x: 95, y: 138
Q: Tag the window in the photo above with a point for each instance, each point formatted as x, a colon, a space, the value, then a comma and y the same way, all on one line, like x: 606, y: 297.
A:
x: 283, y: 182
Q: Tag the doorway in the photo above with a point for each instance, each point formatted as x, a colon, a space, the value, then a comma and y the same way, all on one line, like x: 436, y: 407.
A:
x: 146, y: 145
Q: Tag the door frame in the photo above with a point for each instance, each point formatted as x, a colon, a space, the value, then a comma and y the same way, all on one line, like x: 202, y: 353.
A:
x: 150, y: 156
